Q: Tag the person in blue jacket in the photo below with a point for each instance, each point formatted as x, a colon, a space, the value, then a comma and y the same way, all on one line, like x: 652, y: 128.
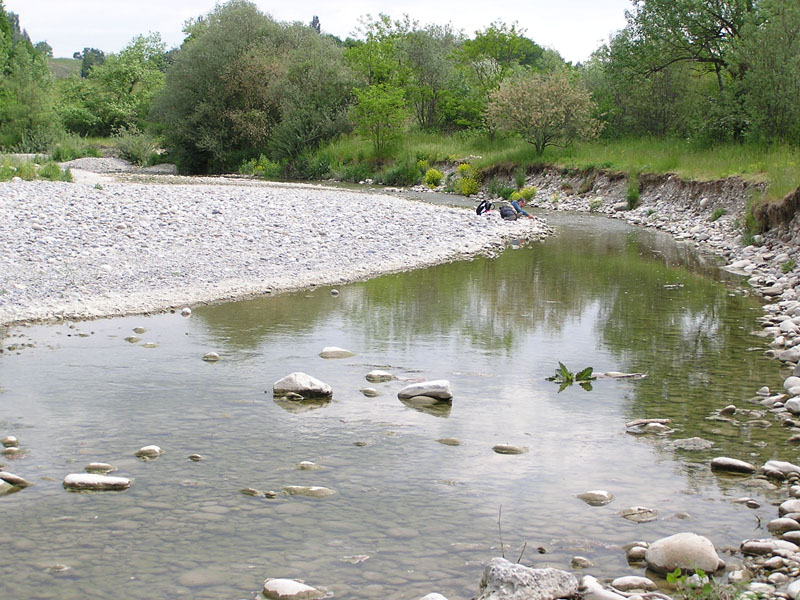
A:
x: 518, y: 204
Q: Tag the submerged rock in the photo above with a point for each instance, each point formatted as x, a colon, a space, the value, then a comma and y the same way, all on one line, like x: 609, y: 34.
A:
x: 693, y: 444
x: 10, y: 441
x: 504, y: 580
x: 596, y: 497
x: 98, y: 467
x: 370, y: 392
x: 303, y: 384
x: 509, y: 449
x: 149, y: 452
x: 94, y: 482
x: 449, y: 441
x: 289, y: 589
x: 378, y: 376
x: 687, y: 551
x: 640, y: 514
x: 312, y: 491
x: 211, y: 357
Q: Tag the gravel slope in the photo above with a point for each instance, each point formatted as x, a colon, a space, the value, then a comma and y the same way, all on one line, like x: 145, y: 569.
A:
x: 73, y: 250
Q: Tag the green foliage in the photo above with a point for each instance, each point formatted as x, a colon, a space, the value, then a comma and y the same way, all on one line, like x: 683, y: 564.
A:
x: 700, y: 586
x: 565, y: 377
x: 401, y: 173
x: 242, y: 85
x: 595, y: 204
x: 519, y: 177
x: 72, y: 146
x: 466, y: 186
x: 716, y: 214
x: 788, y: 266
x: 261, y: 167
x: 354, y: 172
x: 633, y: 190
x: 433, y: 177
x: 544, y: 109
x: 29, y: 170
x: 134, y: 145
x: 380, y: 114
x: 527, y: 193
x: 53, y: 172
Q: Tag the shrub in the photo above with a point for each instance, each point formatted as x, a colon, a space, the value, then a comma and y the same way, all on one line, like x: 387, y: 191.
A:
x: 26, y: 170
x: 133, y: 145
x: 72, y: 146
x: 466, y: 186
x: 433, y: 177
x: 354, y: 172
x: 261, y: 167
x: 632, y: 195
x: 422, y: 165
x: 519, y: 177
x: 50, y: 171
x: 403, y: 173
x: 465, y: 170
x: 595, y: 204
x: 528, y: 192
x: 718, y: 212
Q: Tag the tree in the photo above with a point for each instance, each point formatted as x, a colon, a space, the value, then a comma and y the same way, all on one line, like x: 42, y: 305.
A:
x: 769, y: 47
x: 380, y: 114
x: 544, y: 109
x: 90, y: 58
x: 243, y: 85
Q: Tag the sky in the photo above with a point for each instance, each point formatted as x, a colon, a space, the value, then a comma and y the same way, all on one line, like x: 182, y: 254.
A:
x: 575, y: 28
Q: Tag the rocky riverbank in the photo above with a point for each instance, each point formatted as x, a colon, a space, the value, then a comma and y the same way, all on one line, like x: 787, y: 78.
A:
x: 83, y: 250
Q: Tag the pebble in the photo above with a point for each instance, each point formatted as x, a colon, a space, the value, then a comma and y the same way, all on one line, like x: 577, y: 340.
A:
x: 165, y: 224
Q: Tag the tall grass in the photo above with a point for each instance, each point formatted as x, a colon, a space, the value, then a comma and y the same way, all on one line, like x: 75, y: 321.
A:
x: 778, y: 166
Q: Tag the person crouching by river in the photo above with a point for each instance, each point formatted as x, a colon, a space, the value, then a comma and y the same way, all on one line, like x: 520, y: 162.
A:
x: 518, y: 204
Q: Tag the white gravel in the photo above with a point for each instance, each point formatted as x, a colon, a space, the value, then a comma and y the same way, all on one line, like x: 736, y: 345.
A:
x: 73, y: 250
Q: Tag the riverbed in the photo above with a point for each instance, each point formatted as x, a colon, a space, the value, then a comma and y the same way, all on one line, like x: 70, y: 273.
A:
x: 410, y: 513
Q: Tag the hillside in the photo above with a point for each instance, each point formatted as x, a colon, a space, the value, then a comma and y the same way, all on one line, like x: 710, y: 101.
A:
x: 61, y: 68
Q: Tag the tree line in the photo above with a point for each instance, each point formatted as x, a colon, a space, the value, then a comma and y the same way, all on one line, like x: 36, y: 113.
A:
x: 243, y: 85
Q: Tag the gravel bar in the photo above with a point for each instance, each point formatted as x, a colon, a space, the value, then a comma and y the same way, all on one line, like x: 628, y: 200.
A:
x: 77, y: 251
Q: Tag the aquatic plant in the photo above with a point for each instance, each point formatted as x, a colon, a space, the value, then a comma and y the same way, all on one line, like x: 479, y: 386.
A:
x: 565, y: 377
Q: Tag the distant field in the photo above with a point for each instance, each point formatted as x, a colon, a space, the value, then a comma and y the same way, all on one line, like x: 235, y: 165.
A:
x: 61, y: 68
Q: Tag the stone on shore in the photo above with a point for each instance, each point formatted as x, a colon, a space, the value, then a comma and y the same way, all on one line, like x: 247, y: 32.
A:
x: 761, y: 547
x: 439, y: 389
x: 789, y: 506
x: 94, y: 482
x: 780, y: 469
x: 687, y: 551
x: 335, y: 352
x: 630, y: 583
x: 591, y: 589
x: 504, y: 580
x: 782, y: 525
x: 596, y: 497
x: 731, y: 465
x: 289, y: 589
x: 302, y: 384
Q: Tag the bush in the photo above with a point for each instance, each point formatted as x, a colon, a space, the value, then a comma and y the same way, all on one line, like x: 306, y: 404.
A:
x: 433, y: 178
x: 50, y: 171
x: 422, y: 165
x: 354, y: 172
x: 133, y: 145
x: 401, y: 173
x: 261, y: 167
x: 519, y: 177
x: 466, y: 186
x: 633, y: 190
x: 528, y: 192
x: 72, y: 146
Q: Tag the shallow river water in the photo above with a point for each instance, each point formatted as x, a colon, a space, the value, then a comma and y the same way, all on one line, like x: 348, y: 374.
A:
x: 410, y: 514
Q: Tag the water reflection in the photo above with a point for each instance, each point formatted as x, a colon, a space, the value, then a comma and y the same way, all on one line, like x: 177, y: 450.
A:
x: 424, y: 513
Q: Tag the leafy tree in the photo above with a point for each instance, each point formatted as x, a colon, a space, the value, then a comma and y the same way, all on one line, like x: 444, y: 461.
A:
x: 90, y: 58
x: 769, y: 49
x: 26, y: 90
x: 544, y: 109
x: 116, y: 93
x: 380, y: 114
x: 243, y: 84
x: 44, y: 48
x: 378, y: 57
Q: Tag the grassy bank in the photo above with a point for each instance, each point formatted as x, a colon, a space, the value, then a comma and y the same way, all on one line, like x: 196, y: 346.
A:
x: 778, y: 166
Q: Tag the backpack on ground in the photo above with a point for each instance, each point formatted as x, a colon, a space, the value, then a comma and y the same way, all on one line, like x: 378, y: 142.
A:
x: 508, y: 213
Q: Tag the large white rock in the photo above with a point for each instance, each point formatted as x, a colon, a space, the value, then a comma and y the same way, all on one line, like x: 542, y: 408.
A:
x: 91, y: 481
x: 791, y: 382
x: 289, y: 589
x: 688, y: 551
x: 303, y: 384
x: 504, y: 580
x: 438, y: 388
x: 335, y: 352
x: 789, y: 506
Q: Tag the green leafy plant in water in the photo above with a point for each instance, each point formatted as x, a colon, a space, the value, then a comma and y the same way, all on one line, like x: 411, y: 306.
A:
x: 565, y: 377
x: 701, y: 587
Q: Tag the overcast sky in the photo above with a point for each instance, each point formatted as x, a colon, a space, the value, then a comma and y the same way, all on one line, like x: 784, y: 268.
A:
x: 575, y: 28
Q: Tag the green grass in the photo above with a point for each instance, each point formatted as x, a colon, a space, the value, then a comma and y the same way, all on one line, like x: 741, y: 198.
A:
x: 61, y: 68
x: 778, y: 166
x: 30, y: 170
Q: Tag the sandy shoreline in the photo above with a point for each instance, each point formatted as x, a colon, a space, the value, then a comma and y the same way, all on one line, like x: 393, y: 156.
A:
x: 79, y: 251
